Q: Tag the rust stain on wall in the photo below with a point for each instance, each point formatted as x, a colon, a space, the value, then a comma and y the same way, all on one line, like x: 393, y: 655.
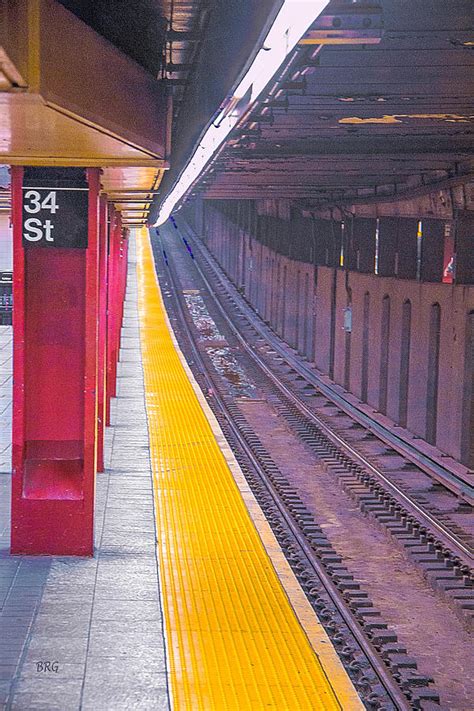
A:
x: 398, y: 118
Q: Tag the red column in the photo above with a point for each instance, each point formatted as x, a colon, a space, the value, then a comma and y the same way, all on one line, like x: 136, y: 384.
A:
x: 18, y: 409
x: 55, y: 228
x: 118, y: 301
x: 123, y: 280
x: 101, y: 369
x: 112, y: 316
x: 116, y: 285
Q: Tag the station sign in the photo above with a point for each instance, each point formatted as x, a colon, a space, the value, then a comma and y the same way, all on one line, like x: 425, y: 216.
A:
x: 55, y: 217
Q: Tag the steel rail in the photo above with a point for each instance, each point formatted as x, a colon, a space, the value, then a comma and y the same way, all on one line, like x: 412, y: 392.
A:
x: 450, y: 480
x: 442, y: 531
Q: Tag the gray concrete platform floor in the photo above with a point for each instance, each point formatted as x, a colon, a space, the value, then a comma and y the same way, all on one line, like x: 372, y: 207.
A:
x: 88, y: 633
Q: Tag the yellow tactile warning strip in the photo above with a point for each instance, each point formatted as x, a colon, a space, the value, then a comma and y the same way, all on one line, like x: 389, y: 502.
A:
x: 233, y: 638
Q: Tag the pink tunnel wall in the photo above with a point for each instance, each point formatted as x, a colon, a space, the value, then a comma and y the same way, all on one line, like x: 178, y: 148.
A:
x: 297, y: 298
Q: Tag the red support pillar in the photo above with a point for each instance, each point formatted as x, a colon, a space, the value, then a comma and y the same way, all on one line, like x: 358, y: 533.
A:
x: 116, y: 286
x: 101, y: 370
x: 112, y: 315
x: 18, y: 409
x: 123, y: 280
x: 118, y: 300
x: 55, y: 228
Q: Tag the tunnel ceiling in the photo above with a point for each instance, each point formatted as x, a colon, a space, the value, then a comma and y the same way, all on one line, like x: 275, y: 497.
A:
x: 353, y: 122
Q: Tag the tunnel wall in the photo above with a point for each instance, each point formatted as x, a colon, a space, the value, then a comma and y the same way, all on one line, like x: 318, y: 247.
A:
x: 382, y: 361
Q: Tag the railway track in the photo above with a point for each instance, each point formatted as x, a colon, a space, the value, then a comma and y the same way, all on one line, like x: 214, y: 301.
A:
x: 385, y: 675
x: 317, y: 410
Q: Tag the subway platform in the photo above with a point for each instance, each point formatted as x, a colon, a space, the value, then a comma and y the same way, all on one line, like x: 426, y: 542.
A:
x: 188, y: 602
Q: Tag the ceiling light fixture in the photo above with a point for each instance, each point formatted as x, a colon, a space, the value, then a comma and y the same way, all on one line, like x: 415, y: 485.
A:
x: 294, y: 18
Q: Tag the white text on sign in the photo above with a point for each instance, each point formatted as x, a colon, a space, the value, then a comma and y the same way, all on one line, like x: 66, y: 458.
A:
x: 35, y: 229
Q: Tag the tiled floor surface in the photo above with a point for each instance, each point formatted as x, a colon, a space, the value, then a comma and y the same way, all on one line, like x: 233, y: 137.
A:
x: 97, y: 621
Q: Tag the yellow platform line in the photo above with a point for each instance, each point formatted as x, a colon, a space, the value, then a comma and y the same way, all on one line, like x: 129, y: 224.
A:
x: 234, y: 641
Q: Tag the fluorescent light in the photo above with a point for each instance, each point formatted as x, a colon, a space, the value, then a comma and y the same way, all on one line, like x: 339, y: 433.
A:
x: 292, y: 21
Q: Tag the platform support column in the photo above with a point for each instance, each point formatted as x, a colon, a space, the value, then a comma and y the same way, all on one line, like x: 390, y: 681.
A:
x: 120, y: 293
x: 112, y: 309
x: 55, y: 332
x: 102, y: 370
x: 109, y: 323
x: 123, y: 280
